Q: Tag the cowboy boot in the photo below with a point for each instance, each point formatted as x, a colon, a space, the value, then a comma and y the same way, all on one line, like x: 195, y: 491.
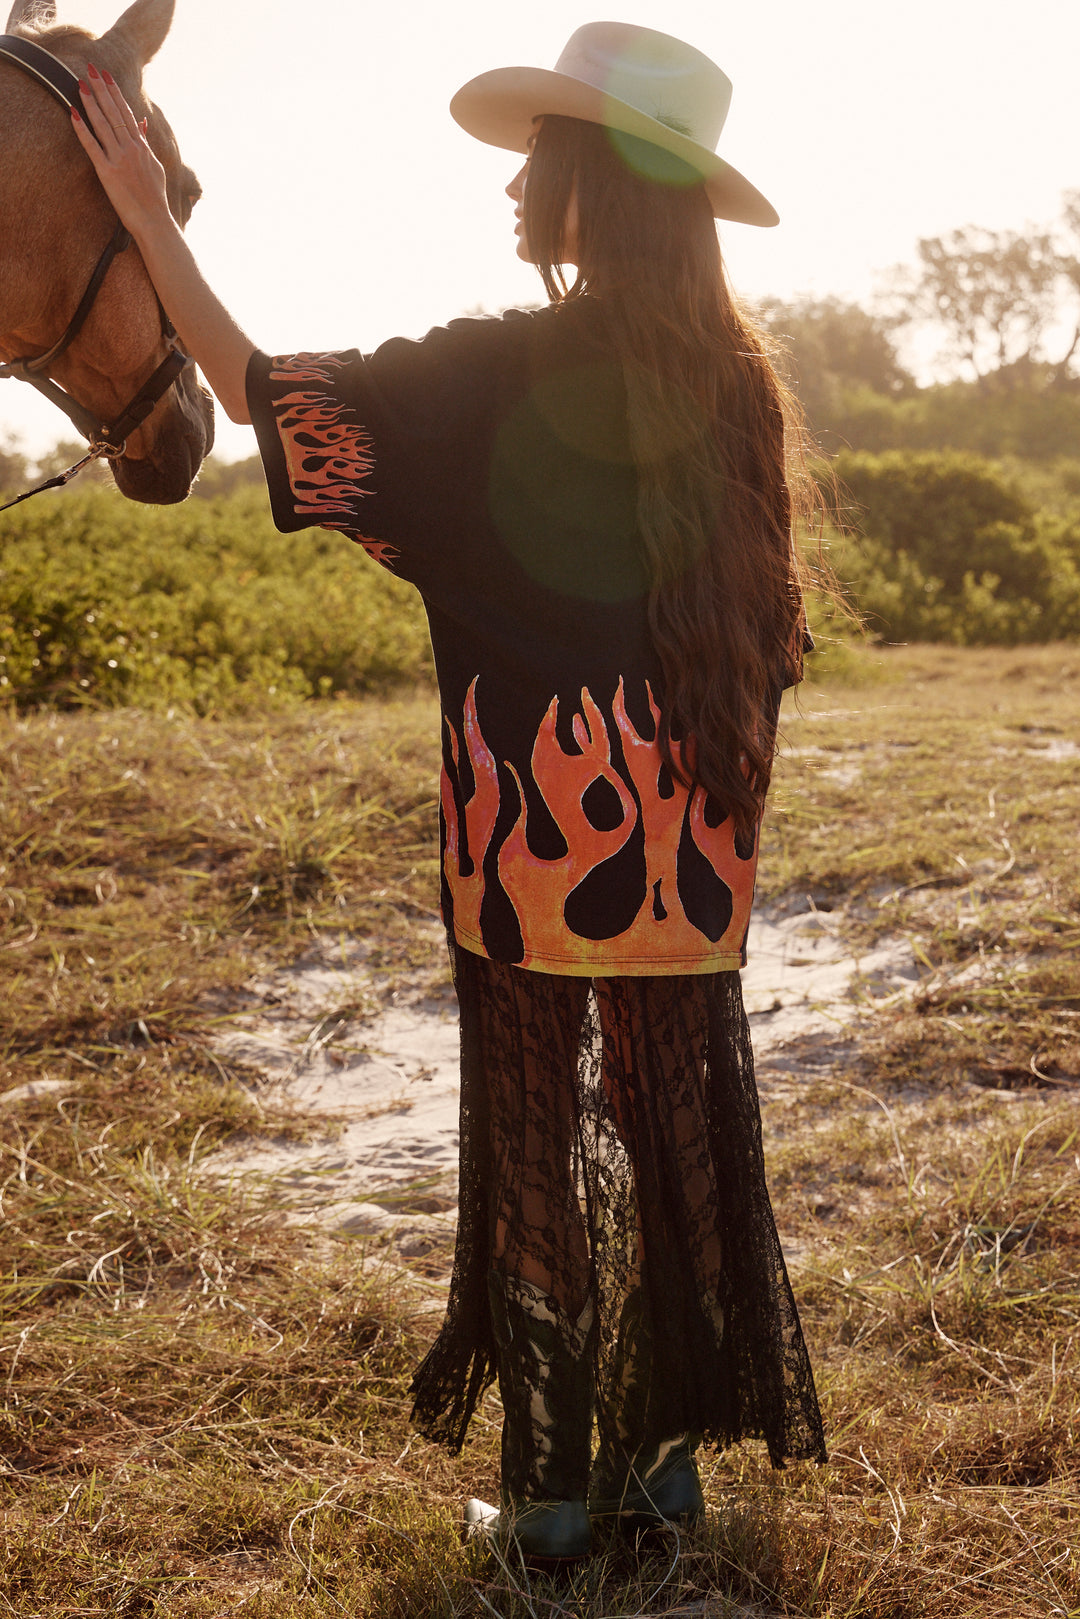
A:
x: 545, y: 1367
x: 642, y: 1481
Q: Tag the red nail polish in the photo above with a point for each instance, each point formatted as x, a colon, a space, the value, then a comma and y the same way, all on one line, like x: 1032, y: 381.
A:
x: 107, y: 76
x: 76, y: 115
x: 84, y: 87
x: 92, y: 70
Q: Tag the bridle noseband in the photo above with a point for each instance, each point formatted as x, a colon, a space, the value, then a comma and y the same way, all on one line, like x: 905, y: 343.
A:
x: 106, y: 440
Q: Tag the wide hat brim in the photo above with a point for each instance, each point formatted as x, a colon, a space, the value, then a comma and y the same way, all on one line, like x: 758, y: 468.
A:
x: 501, y: 108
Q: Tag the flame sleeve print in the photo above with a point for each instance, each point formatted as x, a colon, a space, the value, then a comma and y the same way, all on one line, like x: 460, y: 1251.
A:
x: 327, y: 457
x: 489, y: 464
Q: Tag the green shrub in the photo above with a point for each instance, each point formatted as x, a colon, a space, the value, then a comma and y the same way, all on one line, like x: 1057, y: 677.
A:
x: 945, y: 548
x: 203, y: 604
x: 1032, y: 424
x: 217, y: 478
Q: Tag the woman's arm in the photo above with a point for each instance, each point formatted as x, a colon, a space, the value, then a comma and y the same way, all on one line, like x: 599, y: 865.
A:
x: 134, y: 182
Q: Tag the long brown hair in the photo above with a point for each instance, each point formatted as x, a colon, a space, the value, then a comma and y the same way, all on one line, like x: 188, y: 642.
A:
x: 707, y: 417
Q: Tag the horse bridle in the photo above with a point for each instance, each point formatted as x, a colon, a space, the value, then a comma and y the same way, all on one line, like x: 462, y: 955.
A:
x: 106, y: 439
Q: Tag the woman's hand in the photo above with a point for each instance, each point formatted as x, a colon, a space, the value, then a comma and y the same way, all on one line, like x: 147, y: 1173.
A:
x: 134, y: 182
x: 130, y: 174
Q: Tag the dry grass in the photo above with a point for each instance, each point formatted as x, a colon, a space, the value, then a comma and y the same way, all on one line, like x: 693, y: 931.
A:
x: 939, y: 801
x: 205, y: 1411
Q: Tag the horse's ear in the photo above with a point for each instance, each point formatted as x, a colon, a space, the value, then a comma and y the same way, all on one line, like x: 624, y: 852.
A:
x: 143, y: 27
x: 35, y: 11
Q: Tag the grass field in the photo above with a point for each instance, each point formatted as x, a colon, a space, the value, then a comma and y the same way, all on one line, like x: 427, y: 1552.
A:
x: 205, y: 1410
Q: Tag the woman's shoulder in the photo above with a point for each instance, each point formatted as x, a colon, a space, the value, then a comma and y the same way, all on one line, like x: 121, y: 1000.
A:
x: 521, y: 326
x: 472, y: 354
x: 463, y: 348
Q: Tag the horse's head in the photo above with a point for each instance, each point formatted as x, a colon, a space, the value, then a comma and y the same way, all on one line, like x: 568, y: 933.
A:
x: 59, y: 223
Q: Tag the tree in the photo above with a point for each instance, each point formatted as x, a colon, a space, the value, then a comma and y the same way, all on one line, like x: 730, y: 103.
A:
x: 12, y: 466
x: 218, y: 477
x: 829, y: 348
x: 1001, y: 298
x: 1070, y: 272
x: 64, y: 453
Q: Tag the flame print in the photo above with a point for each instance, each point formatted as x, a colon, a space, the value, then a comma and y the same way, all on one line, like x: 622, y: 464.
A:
x: 463, y: 858
x: 680, y: 849
x: 327, y: 457
x: 380, y: 551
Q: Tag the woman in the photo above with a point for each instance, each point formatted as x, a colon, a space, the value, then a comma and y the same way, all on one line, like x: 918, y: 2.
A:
x: 592, y: 499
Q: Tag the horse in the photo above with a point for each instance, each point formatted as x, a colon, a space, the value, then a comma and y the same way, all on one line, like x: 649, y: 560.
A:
x: 57, y: 223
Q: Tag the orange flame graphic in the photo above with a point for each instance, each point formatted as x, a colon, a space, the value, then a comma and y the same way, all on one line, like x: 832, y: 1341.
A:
x: 305, y: 367
x: 324, y: 475
x: 381, y: 551
x: 661, y: 936
x: 480, y: 812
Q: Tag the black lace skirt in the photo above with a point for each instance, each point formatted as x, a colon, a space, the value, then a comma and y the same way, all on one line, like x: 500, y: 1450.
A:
x: 611, y: 1145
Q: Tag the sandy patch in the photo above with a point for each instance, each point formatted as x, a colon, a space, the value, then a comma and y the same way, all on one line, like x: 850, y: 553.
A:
x: 382, y: 1066
x: 803, y: 987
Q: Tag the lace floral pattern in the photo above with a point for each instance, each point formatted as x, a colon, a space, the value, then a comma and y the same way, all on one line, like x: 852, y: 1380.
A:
x: 611, y: 1149
x: 546, y: 1374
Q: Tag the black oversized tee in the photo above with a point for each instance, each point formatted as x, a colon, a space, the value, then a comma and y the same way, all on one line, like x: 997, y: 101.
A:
x: 489, y: 464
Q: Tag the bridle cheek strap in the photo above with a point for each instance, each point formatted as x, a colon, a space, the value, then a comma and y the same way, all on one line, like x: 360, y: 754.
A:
x: 31, y: 368
x: 105, y: 442
x: 153, y: 389
x: 118, y: 242
x: 105, y: 439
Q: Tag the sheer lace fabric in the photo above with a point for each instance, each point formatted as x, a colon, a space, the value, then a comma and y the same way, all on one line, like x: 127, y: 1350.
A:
x: 611, y: 1150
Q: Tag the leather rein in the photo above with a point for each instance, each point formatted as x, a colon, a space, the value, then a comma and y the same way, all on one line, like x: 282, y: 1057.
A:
x: 106, y: 440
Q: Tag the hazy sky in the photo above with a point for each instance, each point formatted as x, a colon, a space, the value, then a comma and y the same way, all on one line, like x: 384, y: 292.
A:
x: 343, y: 205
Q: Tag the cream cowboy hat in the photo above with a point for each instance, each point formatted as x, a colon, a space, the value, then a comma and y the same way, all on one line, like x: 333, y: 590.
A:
x: 629, y: 79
